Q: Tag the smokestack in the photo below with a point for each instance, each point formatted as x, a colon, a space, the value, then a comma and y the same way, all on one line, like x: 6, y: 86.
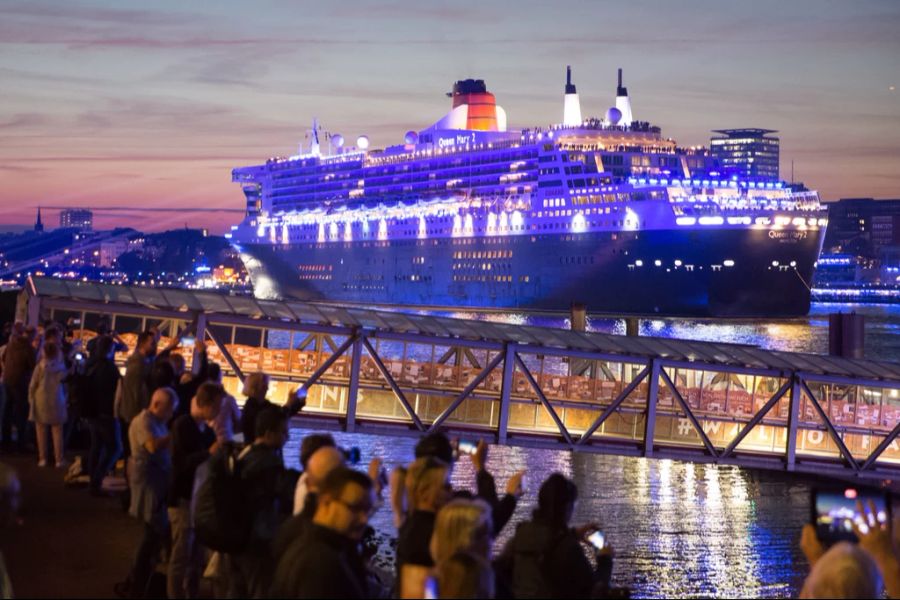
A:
x: 623, y: 103
x: 571, y: 104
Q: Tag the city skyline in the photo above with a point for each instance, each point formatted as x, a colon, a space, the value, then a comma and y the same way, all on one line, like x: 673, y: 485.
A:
x: 113, y: 108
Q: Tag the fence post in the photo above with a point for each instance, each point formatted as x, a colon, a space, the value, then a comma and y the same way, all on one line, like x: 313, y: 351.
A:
x: 793, y: 417
x: 353, y: 390
x: 652, y: 393
x: 509, y: 364
x: 199, y: 343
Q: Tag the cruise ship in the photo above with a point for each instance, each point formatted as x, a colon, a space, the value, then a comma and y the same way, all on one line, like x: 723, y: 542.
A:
x: 467, y: 213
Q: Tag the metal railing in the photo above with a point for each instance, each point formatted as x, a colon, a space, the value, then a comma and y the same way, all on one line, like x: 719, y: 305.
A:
x: 407, y: 383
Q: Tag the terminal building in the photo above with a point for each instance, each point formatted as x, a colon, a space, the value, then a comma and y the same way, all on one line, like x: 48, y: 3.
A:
x: 863, y: 225
x: 746, y: 153
x: 76, y: 218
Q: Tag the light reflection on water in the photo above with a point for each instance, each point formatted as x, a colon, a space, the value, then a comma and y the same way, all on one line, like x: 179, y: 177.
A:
x: 678, y: 529
x: 803, y: 334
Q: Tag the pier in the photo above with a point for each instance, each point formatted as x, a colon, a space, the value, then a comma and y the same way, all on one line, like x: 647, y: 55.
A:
x: 390, y: 373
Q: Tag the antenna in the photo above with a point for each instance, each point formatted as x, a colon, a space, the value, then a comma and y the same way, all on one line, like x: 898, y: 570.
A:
x: 792, y: 170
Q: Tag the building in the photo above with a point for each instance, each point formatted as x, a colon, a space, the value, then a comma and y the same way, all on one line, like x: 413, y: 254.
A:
x: 38, y: 224
x: 863, y: 225
x: 77, y: 218
x: 746, y: 153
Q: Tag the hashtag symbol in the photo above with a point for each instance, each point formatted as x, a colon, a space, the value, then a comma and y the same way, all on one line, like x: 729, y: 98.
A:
x: 684, y: 427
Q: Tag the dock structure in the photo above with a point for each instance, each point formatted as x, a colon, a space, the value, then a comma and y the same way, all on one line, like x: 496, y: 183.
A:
x: 392, y: 373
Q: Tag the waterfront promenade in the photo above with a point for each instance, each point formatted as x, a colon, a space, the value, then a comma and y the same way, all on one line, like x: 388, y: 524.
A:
x: 70, y: 544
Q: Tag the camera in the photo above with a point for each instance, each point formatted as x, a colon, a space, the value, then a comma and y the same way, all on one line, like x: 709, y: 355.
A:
x: 467, y: 446
x: 597, y: 540
x: 352, y: 455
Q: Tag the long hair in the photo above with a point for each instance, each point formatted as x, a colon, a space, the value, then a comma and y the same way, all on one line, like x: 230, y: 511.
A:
x: 465, y: 575
x: 422, y: 475
x: 462, y: 525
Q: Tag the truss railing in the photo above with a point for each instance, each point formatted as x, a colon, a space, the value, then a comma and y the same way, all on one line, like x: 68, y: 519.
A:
x: 406, y: 383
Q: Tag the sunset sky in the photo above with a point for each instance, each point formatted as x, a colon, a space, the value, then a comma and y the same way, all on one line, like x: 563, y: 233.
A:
x: 118, y: 105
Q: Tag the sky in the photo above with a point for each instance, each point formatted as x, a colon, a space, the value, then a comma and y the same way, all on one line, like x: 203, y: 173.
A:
x: 127, y: 106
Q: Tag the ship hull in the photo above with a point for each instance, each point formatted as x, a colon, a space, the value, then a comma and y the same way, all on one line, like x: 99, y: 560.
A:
x: 692, y: 272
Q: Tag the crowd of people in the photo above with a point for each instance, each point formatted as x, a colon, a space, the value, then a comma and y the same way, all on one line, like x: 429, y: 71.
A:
x: 218, y: 499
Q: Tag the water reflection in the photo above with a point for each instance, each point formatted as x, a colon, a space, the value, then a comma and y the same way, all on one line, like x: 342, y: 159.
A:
x: 679, y: 529
x: 804, y: 334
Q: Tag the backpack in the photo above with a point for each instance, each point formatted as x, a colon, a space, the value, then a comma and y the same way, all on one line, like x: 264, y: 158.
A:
x: 222, y: 520
x: 79, y: 391
x: 530, y: 575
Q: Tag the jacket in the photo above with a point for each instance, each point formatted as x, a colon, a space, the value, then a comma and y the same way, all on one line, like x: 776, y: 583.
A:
x: 135, y: 386
x: 18, y: 362
x: 47, y: 393
x: 543, y: 561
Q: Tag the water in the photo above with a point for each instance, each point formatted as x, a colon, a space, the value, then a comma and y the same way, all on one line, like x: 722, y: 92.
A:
x: 801, y: 334
x: 678, y: 529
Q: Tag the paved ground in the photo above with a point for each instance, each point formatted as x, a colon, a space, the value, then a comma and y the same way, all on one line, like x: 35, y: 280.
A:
x: 70, y: 545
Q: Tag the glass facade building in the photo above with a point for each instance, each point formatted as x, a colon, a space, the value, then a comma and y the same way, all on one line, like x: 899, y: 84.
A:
x: 747, y: 153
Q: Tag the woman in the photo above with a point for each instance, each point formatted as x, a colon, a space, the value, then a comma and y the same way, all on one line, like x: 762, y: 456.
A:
x: 462, y: 525
x: 47, y: 400
x: 462, y: 575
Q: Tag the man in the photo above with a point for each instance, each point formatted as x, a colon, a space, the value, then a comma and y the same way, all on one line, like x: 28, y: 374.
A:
x: 308, y: 447
x: 19, y: 361
x: 151, y: 466
x: 326, y: 561
x: 193, y: 441
x: 269, y: 487
x: 187, y: 383
x: 102, y: 378
x: 229, y: 418
x: 317, y: 466
x: 256, y: 388
x: 136, y: 383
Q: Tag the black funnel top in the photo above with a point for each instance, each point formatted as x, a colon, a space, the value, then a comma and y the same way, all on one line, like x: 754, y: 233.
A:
x: 621, y: 90
x: 469, y: 86
x: 570, y: 87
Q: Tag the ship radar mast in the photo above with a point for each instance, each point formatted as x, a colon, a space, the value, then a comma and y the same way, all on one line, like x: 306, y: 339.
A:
x: 571, y: 104
x: 623, y: 103
x: 314, y: 138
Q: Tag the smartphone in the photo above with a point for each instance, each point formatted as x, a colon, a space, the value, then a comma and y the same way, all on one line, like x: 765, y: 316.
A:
x: 597, y: 540
x: 188, y: 341
x: 834, y: 510
x: 431, y: 589
x: 79, y: 356
x: 467, y: 446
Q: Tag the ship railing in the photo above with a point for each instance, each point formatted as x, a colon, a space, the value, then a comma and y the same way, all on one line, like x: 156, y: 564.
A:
x: 400, y: 381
